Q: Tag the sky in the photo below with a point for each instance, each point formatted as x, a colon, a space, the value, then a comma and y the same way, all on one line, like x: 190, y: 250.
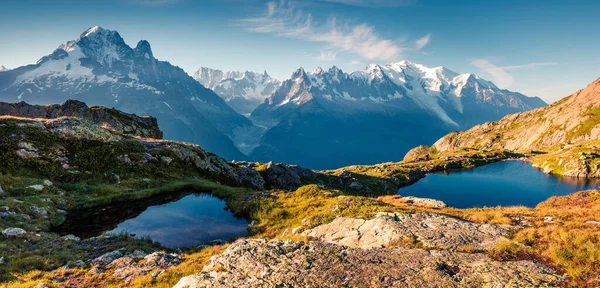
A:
x: 539, y: 48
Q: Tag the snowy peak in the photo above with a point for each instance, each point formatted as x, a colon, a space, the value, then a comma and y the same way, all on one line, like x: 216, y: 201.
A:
x: 243, y: 91
x: 2, y: 68
x: 438, y: 90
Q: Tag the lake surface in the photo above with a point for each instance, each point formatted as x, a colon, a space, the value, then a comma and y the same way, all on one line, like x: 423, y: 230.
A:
x: 175, y: 220
x: 504, y: 183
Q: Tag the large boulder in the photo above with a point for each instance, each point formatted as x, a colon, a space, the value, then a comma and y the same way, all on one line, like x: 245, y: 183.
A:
x: 430, y: 230
x: 276, y: 263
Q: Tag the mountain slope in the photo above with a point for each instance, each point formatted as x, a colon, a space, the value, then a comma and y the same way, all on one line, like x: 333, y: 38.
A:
x: 573, y: 119
x: 326, y: 119
x: 100, y: 69
x: 242, y: 91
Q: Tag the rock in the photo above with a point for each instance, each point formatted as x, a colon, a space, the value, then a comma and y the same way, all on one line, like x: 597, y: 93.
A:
x: 78, y: 263
x: 2, y: 262
x: 419, y: 153
x: 166, y: 160
x: 109, y: 257
x: 71, y: 237
x: 60, y: 211
x: 425, y: 202
x: 1, y: 191
x: 14, y: 232
x: 138, y: 254
x: 40, y: 285
x: 127, y: 269
x: 276, y: 263
x: 95, y: 271
x: 36, y: 187
x: 38, y: 210
x: 147, y: 180
x: 431, y: 230
x: 47, y: 183
x: 355, y: 185
x: 592, y: 222
x: 5, y: 211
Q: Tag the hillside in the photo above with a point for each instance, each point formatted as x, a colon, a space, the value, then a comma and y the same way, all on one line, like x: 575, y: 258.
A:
x: 570, y: 120
x: 71, y: 156
x: 561, y: 138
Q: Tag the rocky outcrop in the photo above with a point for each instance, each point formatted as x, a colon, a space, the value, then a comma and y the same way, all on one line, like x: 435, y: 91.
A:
x: 120, y: 122
x: 261, y: 263
x: 427, y: 229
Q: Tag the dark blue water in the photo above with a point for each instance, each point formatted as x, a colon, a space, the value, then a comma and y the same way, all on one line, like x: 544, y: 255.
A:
x: 505, y: 183
x: 189, y: 221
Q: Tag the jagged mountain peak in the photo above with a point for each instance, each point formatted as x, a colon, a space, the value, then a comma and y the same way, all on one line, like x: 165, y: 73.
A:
x: 2, y: 68
x: 243, y: 91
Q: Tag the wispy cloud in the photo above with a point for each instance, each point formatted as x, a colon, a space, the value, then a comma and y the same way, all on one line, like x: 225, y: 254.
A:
x: 284, y: 19
x: 423, y: 41
x: 530, y: 65
x: 355, y: 62
x: 375, y: 3
x: 499, y: 74
x: 326, y: 56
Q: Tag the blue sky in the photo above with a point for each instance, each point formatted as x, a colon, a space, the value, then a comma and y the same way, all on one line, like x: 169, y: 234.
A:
x: 540, y: 48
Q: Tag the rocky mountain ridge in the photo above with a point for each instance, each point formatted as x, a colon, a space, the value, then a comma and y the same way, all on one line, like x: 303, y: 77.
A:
x: 243, y: 91
x: 99, y: 68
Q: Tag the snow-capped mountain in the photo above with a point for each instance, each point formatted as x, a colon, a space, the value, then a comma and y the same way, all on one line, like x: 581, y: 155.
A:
x: 243, y: 91
x: 2, y: 68
x: 99, y: 68
x: 406, y: 103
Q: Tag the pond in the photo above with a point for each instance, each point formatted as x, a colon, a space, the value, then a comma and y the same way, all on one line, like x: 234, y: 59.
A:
x: 175, y: 220
x: 505, y: 183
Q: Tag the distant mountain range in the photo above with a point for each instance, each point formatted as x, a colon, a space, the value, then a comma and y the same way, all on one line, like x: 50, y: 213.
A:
x: 2, y: 68
x: 321, y: 119
x: 100, y: 69
x: 243, y: 91
x: 327, y: 119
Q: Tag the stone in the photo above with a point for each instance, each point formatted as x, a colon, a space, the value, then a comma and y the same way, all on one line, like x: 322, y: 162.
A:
x: 138, y: 254
x: 47, y: 183
x: 2, y: 262
x: 127, y: 268
x: 13, y: 232
x: 40, y: 285
x: 427, y: 202
x: 355, y: 185
x: 109, y: 257
x: 95, y: 271
x: 38, y: 210
x: 71, y: 237
x: 592, y: 222
x: 277, y: 263
x: 1, y: 191
x: 147, y: 180
x: 60, y: 211
x: 166, y: 160
x: 36, y: 187
x: 431, y: 230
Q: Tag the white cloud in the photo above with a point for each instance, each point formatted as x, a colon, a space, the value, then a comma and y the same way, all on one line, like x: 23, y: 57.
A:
x: 421, y: 42
x: 283, y: 19
x: 326, y: 56
x: 530, y: 65
x: 374, y: 3
x: 355, y: 62
x: 499, y: 75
